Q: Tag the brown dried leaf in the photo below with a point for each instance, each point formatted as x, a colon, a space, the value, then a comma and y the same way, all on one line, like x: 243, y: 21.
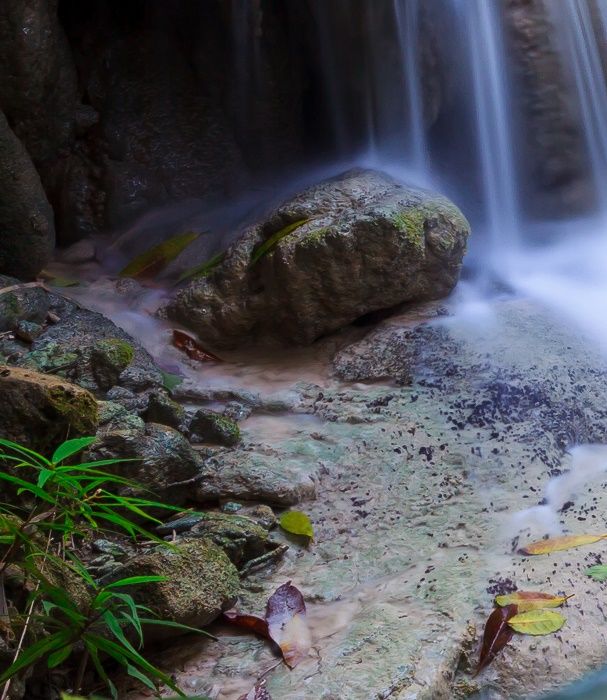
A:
x: 250, y: 622
x: 557, y: 544
x: 287, y: 625
x: 192, y: 348
x: 496, y: 635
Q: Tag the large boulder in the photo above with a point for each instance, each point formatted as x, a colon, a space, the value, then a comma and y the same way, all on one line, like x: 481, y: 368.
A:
x: 27, y: 230
x: 40, y: 411
x: 367, y: 243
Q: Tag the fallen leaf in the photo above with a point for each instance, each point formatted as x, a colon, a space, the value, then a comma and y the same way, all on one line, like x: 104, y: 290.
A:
x: 287, y: 625
x: 157, y: 258
x: 268, y: 245
x: 597, y: 572
x: 250, y: 622
x: 531, y: 600
x: 170, y: 381
x: 203, y: 269
x: 58, y: 281
x: 192, y: 348
x: 297, y: 523
x: 537, y: 622
x: 496, y: 635
x: 557, y: 544
x: 259, y: 692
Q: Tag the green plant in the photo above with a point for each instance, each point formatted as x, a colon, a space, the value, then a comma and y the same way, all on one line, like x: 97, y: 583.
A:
x: 61, y: 505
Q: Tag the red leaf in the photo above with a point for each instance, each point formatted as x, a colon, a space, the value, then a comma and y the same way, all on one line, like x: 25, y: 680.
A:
x: 497, y: 634
x: 192, y: 348
x: 250, y: 622
x: 259, y: 692
x: 287, y: 625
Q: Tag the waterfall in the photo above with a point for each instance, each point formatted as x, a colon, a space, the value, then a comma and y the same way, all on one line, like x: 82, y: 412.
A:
x: 574, y: 19
x: 407, y: 13
x: 493, y: 120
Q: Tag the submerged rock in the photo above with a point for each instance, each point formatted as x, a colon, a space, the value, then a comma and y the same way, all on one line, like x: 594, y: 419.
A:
x: 339, y: 250
x: 40, y: 411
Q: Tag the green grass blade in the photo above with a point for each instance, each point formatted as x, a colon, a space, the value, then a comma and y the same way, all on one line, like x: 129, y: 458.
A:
x: 71, y: 447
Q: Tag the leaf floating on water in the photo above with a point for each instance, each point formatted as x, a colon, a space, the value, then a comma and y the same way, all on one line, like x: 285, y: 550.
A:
x: 192, y: 348
x: 203, y: 269
x: 557, y: 544
x: 157, y: 258
x: 250, y: 622
x: 287, y: 625
x: 259, y: 692
x: 496, y: 635
x: 598, y: 572
x: 531, y: 600
x: 58, y: 281
x: 268, y: 245
x: 537, y: 622
x: 297, y: 523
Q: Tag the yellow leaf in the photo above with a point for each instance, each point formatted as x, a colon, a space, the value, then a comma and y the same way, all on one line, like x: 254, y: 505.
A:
x: 559, y: 543
x: 157, y: 258
x: 297, y: 523
x: 531, y: 600
x: 537, y: 622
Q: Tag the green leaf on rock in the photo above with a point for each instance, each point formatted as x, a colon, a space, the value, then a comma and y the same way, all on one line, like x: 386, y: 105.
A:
x: 598, y: 572
x: 157, y: 258
x: 203, y: 269
x: 297, y: 523
x: 170, y: 381
x: 537, y: 622
x: 268, y: 245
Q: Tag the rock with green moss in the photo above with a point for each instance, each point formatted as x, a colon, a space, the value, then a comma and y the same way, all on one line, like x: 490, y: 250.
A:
x: 358, y: 243
x: 162, y: 409
x: 212, y: 427
x: 108, y: 359
x: 200, y: 581
x: 40, y: 410
x: 241, y: 538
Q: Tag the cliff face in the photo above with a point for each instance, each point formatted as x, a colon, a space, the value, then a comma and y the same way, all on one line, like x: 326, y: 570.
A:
x: 554, y: 154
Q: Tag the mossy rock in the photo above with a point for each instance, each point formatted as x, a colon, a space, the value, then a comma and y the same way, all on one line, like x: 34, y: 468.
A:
x: 40, y: 410
x: 200, y: 582
x: 214, y: 428
x: 108, y: 359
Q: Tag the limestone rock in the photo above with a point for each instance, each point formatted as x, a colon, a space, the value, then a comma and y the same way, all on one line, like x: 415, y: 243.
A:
x: 365, y: 242
x: 40, y: 411
x: 200, y: 582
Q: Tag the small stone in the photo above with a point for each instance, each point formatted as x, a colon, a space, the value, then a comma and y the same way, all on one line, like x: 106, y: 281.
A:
x: 231, y: 507
x: 237, y: 411
x: 212, y: 427
x: 81, y: 252
x: 162, y: 409
x: 106, y: 547
x: 28, y: 331
x: 108, y: 359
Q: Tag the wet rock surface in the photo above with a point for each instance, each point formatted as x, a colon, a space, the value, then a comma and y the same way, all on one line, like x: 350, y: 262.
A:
x: 364, y: 242
x: 420, y: 514
x: 40, y: 411
x: 200, y: 582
